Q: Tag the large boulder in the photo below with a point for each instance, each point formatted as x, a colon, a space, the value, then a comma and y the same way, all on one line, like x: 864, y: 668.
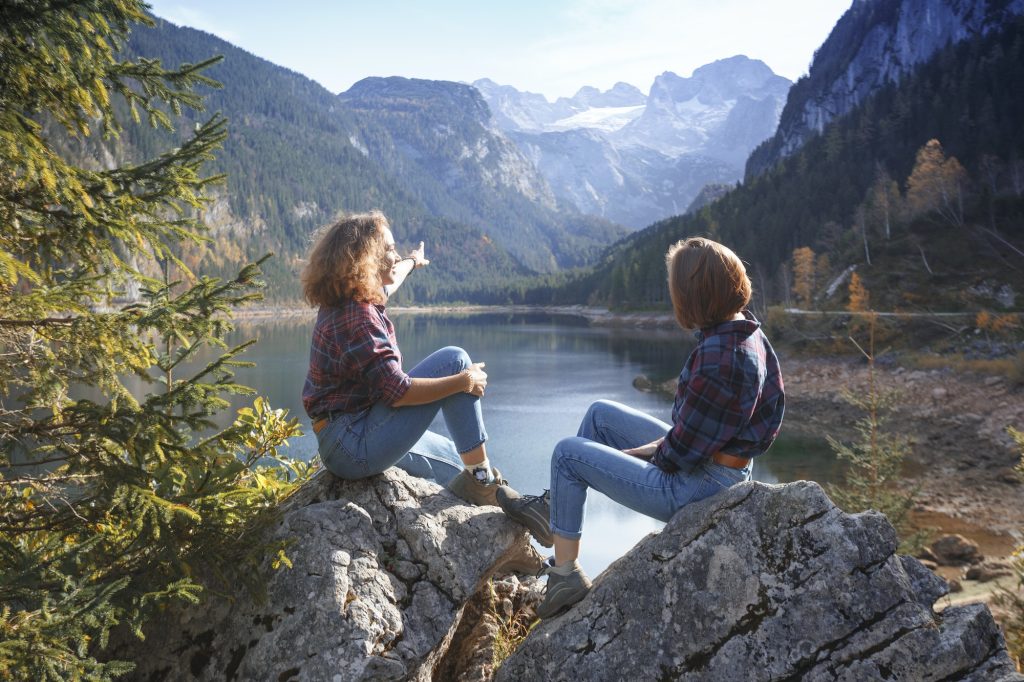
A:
x: 765, y: 583
x: 382, y: 571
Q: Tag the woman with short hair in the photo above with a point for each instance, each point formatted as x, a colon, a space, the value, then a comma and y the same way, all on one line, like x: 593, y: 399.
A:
x: 728, y: 409
x: 367, y: 413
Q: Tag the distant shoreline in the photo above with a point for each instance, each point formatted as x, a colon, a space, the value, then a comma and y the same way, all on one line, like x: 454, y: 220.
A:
x: 595, y: 315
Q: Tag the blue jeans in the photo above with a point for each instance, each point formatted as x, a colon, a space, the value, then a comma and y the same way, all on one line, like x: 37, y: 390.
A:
x: 366, y: 443
x: 593, y: 459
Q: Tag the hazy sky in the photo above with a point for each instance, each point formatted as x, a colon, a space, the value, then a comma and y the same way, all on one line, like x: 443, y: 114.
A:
x: 549, y: 46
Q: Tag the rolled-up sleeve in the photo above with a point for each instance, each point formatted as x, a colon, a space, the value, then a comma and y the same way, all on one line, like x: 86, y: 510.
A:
x: 377, y: 359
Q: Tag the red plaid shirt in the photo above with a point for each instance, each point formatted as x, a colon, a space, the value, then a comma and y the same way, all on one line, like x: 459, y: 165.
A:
x: 730, y: 397
x: 354, y: 361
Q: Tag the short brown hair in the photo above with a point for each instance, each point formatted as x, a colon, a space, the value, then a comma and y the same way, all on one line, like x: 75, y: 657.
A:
x: 345, y: 262
x: 707, y: 282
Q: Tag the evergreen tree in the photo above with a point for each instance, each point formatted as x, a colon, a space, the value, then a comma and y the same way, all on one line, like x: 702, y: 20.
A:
x: 112, y: 503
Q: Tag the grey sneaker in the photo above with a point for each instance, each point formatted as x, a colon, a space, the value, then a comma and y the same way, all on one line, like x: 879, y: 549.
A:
x: 532, y: 511
x: 567, y: 585
x: 466, y: 486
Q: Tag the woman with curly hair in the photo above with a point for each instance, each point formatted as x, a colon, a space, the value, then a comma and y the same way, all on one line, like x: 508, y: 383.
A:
x: 367, y: 413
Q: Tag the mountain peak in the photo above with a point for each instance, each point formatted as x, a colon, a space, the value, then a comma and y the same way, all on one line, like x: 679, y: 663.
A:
x: 396, y: 92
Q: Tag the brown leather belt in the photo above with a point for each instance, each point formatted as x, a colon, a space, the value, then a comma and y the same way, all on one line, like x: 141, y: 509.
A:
x: 320, y: 423
x: 731, y: 461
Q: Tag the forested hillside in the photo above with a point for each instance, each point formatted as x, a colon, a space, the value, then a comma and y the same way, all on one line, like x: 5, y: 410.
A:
x: 849, y: 195
x: 297, y: 155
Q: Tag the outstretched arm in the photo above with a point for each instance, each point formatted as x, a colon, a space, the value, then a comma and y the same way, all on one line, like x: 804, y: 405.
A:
x: 414, y: 260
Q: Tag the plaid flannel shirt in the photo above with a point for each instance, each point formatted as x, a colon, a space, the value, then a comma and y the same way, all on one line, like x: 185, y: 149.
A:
x: 730, y: 398
x: 354, y: 361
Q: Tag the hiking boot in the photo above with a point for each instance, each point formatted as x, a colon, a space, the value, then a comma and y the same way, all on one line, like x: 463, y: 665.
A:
x: 475, y: 491
x: 532, y: 511
x: 567, y: 585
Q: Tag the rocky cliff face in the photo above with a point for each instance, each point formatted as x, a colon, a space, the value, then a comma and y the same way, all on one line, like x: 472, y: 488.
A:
x: 633, y: 187
x: 636, y: 159
x: 687, y: 115
x: 442, y: 126
x: 874, y: 44
x: 766, y: 583
x: 439, y: 139
x: 382, y: 570
x: 758, y: 583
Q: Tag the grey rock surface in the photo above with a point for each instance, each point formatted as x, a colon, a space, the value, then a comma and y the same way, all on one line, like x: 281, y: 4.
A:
x: 766, y: 582
x: 875, y: 43
x: 382, y: 570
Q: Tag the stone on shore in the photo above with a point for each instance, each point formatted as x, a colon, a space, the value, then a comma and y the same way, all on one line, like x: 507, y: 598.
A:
x: 955, y: 550
x: 766, y: 583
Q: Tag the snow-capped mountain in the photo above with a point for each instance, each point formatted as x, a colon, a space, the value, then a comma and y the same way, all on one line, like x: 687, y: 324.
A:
x: 588, y: 108
x: 689, y: 115
x: 636, y: 158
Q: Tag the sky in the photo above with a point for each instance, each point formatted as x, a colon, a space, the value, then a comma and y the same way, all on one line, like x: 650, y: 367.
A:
x: 552, y: 47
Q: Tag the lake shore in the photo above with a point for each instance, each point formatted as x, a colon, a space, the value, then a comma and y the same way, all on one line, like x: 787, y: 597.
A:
x: 595, y: 315
x: 961, y: 454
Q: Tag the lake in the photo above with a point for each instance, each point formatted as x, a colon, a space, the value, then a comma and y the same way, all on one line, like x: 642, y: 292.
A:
x: 543, y: 371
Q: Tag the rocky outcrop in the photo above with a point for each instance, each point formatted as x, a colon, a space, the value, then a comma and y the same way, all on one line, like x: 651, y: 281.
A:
x: 766, y: 583
x: 382, y: 572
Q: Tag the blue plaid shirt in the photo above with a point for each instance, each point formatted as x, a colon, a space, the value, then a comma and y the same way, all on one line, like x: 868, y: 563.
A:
x: 730, y: 397
x: 354, y: 361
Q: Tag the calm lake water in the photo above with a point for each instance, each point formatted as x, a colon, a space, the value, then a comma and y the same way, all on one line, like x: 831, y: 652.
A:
x: 543, y: 373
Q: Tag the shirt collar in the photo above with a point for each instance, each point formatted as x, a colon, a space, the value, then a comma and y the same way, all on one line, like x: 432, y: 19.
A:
x: 748, y: 325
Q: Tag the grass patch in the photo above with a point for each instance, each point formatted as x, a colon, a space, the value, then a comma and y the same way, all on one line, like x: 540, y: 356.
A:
x: 513, y: 627
x: 1010, y: 368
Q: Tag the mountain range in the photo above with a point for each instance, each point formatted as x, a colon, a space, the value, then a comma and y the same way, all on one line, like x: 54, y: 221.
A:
x: 425, y: 152
x: 634, y: 158
x: 849, y: 174
x: 513, y: 192
x: 874, y: 44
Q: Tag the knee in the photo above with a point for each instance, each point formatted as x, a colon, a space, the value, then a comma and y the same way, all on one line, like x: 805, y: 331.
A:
x: 590, y: 426
x: 456, y: 356
x: 563, y: 449
x: 599, y: 406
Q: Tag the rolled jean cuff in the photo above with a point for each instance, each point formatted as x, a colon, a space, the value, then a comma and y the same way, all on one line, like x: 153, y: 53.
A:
x: 566, y: 534
x: 474, y: 447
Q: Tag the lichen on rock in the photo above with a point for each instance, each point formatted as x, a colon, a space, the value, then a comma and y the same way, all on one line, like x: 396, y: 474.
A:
x: 766, y: 582
x: 381, y: 572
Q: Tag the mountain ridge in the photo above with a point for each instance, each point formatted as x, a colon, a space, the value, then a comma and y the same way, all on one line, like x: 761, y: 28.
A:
x: 297, y: 155
x: 642, y: 163
x: 874, y: 43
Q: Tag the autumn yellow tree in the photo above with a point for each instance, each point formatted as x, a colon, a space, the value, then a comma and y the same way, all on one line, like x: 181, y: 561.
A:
x: 803, y: 275
x: 936, y: 185
x: 883, y: 201
x: 858, y: 295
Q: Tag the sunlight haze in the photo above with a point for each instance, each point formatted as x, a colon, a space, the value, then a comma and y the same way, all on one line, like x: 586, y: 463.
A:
x: 553, y: 48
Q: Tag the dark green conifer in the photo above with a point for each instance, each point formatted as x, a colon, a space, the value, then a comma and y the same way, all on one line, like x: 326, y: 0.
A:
x: 111, y: 502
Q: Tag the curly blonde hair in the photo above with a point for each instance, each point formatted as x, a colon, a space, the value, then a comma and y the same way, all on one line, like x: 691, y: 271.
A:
x: 346, y: 261
x: 707, y: 282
